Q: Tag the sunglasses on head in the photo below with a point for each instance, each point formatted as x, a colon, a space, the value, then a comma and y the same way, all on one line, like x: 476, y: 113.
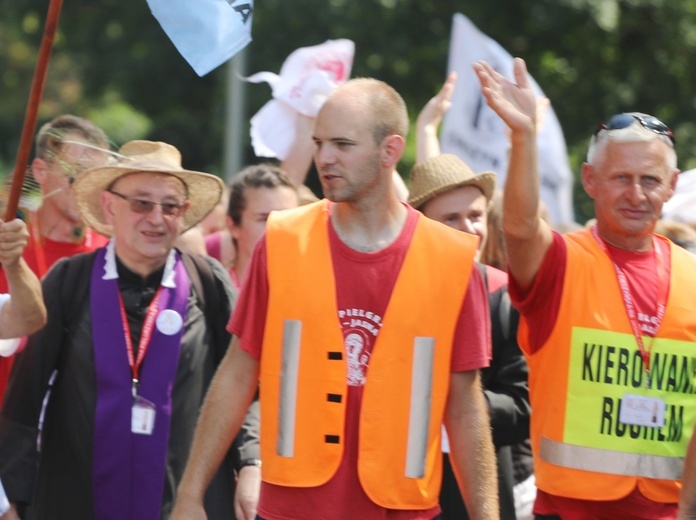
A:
x: 142, y: 206
x: 619, y: 121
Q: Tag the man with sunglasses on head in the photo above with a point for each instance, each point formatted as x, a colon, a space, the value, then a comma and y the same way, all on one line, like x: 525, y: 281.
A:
x: 135, y: 332
x: 608, y: 319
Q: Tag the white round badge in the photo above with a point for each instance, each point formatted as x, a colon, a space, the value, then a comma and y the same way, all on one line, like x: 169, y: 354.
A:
x: 169, y: 322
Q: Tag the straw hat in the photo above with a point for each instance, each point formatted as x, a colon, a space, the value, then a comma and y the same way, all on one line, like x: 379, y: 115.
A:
x: 204, y: 190
x: 443, y: 173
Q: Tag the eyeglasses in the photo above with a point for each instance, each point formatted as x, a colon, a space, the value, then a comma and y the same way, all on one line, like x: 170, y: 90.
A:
x: 619, y: 121
x: 143, y: 207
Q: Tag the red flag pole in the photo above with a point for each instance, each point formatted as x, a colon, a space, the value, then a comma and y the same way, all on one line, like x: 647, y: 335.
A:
x: 31, y: 114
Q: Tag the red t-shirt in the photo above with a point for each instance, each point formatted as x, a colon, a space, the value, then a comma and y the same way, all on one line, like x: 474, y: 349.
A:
x: 360, y: 310
x: 40, y: 254
x: 539, y: 306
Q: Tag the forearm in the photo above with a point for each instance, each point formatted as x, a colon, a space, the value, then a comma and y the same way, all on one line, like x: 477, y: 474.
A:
x: 521, y: 194
x: 472, y: 455
x: 429, y: 119
x: 25, y: 313
x: 299, y: 158
x: 223, y: 411
x: 427, y: 141
x: 527, y: 236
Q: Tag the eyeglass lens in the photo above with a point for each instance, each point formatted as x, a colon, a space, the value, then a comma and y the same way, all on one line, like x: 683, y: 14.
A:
x: 141, y: 206
x: 169, y: 209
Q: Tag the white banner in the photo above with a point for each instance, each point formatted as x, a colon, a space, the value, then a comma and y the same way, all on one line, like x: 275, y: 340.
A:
x: 306, y: 78
x: 475, y: 133
x: 207, y: 33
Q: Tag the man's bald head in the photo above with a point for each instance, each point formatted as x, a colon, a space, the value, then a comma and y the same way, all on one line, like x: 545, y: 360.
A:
x: 385, y: 107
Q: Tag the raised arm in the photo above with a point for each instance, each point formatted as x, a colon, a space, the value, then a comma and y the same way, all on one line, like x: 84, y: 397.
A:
x: 223, y: 411
x: 527, y: 237
x: 24, y: 313
x: 429, y: 119
x: 299, y: 159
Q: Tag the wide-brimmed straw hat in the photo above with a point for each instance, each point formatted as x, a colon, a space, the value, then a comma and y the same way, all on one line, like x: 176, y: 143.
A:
x: 204, y: 190
x: 443, y: 173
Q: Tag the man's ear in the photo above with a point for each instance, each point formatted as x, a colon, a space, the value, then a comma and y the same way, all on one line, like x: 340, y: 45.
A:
x: 588, y: 177
x: 107, y: 203
x: 39, y: 169
x: 392, y: 149
x: 673, y: 182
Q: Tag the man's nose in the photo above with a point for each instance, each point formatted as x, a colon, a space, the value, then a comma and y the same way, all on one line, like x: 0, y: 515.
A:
x: 324, y: 155
x: 156, y: 214
x: 636, y: 193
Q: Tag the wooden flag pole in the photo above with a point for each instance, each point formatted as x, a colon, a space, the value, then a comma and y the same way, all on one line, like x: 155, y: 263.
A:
x: 32, y: 111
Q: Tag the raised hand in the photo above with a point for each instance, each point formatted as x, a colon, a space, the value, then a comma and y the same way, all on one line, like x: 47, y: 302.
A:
x: 429, y: 119
x: 13, y: 239
x: 434, y: 110
x: 515, y: 102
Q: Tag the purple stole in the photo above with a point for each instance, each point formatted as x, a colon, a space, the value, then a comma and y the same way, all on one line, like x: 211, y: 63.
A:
x: 129, y: 469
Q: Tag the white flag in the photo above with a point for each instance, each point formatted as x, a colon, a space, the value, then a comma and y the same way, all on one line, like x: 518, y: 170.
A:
x: 306, y: 78
x: 207, y: 33
x: 474, y: 132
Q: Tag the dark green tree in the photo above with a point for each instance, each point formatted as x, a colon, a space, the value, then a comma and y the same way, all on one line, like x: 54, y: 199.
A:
x: 113, y: 63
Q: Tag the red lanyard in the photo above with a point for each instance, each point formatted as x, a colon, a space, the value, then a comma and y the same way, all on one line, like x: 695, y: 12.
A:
x: 662, y: 292
x: 145, y: 336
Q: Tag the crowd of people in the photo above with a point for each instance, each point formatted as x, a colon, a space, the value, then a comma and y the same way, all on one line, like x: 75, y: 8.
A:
x: 439, y: 352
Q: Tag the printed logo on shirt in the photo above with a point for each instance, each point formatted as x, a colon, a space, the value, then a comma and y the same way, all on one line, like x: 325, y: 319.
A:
x: 360, y: 329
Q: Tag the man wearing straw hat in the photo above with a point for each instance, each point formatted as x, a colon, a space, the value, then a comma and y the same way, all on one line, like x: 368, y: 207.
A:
x: 133, y: 349
x: 363, y: 322
x: 445, y: 189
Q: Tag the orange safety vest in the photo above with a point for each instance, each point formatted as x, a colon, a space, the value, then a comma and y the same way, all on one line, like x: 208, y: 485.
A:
x: 304, y: 369
x: 590, y: 364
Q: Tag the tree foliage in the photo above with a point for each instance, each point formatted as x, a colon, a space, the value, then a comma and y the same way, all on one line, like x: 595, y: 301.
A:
x: 113, y: 63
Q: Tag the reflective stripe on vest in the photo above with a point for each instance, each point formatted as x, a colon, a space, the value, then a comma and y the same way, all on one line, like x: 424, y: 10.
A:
x: 421, y: 391
x: 613, y: 462
x: 287, y: 408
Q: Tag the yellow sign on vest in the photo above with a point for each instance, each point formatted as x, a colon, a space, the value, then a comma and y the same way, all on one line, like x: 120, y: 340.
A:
x: 605, y: 367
